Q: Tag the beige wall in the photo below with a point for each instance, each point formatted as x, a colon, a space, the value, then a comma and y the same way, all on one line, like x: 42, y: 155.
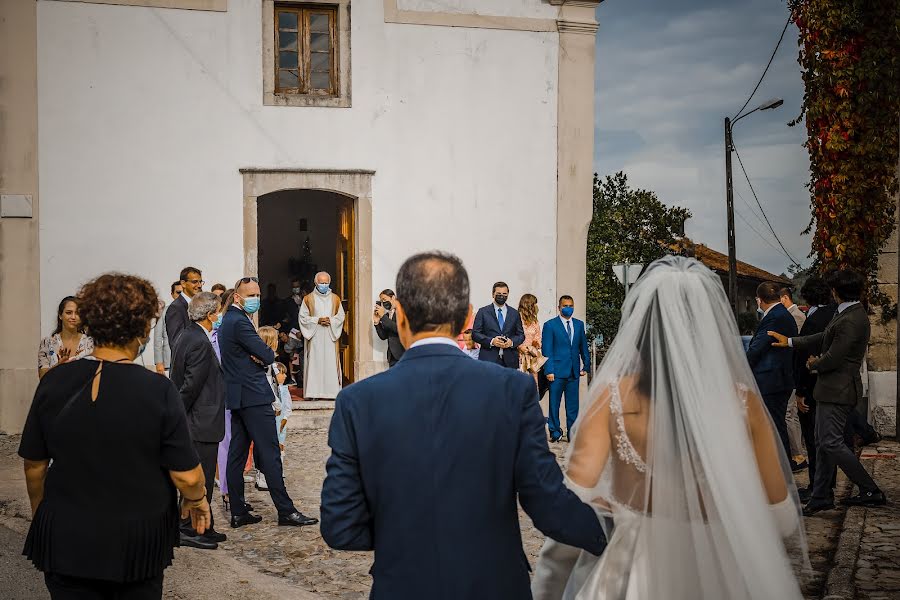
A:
x: 575, y: 145
x: 19, y: 251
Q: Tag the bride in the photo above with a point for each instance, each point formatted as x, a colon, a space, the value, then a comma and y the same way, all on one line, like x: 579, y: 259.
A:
x: 678, y: 455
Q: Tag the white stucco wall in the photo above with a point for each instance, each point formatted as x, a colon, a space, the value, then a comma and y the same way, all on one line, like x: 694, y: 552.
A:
x: 540, y: 9
x: 146, y: 115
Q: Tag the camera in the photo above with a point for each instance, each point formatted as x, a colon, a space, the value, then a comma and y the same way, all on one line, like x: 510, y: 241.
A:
x: 379, y: 303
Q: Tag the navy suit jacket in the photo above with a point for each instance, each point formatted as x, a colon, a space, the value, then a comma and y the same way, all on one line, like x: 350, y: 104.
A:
x: 773, y: 368
x: 564, y: 359
x: 487, y: 327
x: 427, y: 462
x: 176, y: 319
x: 245, y: 380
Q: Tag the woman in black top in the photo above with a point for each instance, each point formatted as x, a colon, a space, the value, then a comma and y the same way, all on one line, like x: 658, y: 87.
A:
x: 105, y: 515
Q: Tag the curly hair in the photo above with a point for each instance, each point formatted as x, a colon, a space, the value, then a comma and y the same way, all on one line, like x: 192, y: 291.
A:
x: 528, y: 309
x: 116, y: 308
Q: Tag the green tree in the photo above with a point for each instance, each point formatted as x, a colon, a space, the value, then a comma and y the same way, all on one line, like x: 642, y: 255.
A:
x: 627, y: 224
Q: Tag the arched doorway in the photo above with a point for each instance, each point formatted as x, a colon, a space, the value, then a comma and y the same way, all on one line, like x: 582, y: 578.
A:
x: 300, y: 233
x: 337, y: 208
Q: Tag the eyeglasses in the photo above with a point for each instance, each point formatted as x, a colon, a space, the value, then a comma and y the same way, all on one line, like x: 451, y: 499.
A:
x: 249, y: 279
x: 196, y: 281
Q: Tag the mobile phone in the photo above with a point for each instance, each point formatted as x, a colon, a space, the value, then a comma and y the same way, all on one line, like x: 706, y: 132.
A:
x: 379, y: 303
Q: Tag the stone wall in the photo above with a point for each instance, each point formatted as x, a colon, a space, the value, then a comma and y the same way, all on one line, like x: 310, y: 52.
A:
x: 882, y: 361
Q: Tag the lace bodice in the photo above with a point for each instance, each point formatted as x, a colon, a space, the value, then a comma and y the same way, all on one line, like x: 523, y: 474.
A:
x: 628, y: 454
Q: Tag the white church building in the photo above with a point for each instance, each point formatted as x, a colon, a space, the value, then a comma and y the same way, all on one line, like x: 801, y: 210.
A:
x: 272, y: 137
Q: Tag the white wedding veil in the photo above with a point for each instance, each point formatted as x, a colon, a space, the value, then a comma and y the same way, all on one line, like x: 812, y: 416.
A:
x: 675, y: 444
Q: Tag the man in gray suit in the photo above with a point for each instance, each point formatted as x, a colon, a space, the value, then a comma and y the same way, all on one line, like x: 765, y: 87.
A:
x: 838, y: 389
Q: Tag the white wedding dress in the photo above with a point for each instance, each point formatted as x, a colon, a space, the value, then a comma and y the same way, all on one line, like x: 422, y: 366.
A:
x: 677, y: 454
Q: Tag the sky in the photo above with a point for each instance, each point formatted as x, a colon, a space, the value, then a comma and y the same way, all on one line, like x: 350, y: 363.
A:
x: 668, y: 73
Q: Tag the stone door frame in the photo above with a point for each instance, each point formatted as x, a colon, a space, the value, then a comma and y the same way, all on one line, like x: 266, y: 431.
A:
x: 353, y: 184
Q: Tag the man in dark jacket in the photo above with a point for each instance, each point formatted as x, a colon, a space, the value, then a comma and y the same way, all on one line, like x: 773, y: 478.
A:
x: 249, y: 397
x: 176, y: 316
x: 817, y: 295
x: 429, y: 459
x: 772, y: 367
x: 197, y: 375
x: 838, y: 389
x: 498, y: 330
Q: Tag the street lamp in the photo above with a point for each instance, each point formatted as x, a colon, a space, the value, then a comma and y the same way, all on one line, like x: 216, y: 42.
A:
x: 729, y: 197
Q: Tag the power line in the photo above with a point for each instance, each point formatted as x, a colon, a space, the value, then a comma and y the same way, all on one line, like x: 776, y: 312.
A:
x: 753, y: 211
x: 754, y: 230
x: 762, y: 210
x: 766, y: 70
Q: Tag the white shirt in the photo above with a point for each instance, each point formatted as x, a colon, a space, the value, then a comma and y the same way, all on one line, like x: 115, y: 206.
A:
x: 845, y: 305
x: 502, y: 310
x: 766, y: 312
x: 186, y: 298
x: 570, y: 332
x: 434, y: 341
x: 208, y: 333
x: 812, y: 309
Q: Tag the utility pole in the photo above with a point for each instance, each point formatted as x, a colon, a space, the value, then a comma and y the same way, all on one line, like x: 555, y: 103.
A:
x: 729, y: 203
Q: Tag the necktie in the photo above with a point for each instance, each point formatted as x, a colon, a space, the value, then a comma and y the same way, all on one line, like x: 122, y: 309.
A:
x: 500, y: 319
x: 569, y: 330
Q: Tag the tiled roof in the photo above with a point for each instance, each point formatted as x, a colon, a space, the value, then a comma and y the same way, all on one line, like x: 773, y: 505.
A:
x: 719, y: 262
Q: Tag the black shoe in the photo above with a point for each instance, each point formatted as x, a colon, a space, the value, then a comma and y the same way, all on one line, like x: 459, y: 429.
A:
x: 211, y: 535
x: 805, y: 494
x: 197, y: 541
x: 554, y: 440
x: 296, y: 519
x: 797, y: 467
x: 816, y: 507
x: 245, y: 519
x: 876, y: 498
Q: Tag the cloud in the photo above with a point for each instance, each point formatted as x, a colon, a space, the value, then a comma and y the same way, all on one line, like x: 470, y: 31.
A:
x: 667, y: 75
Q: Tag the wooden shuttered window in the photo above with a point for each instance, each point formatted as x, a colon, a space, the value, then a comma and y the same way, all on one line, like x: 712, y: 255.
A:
x: 305, y: 41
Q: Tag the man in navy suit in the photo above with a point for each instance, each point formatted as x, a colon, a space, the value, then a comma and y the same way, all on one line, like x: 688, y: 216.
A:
x: 773, y: 367
x: 428, y: 459
x: 498, y: 329
x: 564, y: 343
x: 249, y: 397
x: 176, y: 316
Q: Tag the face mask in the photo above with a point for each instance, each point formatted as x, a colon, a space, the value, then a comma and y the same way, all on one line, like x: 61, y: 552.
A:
x: 141, y: 349
x: 295, y: 291
x: 251, y: 305
x: 218, y: 322
x: 323, y: 288
x: 386, y: 305
x: 567, y: 311
x: 500, y: 299
x: 760, y: 312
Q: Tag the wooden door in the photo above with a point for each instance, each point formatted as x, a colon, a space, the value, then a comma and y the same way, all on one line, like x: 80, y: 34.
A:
x: 344, y: 283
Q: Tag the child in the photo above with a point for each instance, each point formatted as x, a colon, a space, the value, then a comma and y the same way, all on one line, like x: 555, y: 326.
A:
x: 281, y: 402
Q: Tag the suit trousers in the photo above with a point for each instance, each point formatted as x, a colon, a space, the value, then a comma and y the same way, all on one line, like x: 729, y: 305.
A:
x: 63, y: 587
x: 208, y: 453
x: 808, y: 429
x: 777, y: 404
x: 256, y: 424
x: 795, y: 435
x: 560, y: 386
x: 831, y: 421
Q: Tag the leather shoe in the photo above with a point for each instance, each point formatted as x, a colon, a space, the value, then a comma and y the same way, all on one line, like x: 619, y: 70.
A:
x: 245, y: 519
x: 296, y: 519
x: 876, y: 498
x: 797, y: 467
x: 212, y: 535
x: 554, y: 440
x: 817, y: 507
x: 805, y: 494
x: 197, y: 541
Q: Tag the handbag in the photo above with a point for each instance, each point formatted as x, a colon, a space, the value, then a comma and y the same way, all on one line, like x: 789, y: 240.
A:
x: 537, y: 363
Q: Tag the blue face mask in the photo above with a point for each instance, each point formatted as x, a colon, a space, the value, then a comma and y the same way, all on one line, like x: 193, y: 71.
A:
x: 251, y: 305
x: 567, y: 311
x: 218, y: 322
x: 323, y: 288
x: 141, y: 349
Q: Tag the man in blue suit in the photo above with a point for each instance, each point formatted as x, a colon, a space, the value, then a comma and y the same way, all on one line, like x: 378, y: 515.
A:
x: 498, y: 329
x: 564, y: 343
x: 428, y: 459
x: 773, y: 367
x: 249, y: 397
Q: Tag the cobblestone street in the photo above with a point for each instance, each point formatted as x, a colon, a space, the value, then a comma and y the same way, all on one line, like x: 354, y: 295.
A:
x: 275, y: 556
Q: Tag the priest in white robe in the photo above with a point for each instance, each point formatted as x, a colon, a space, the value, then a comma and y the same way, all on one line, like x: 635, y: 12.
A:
x: 321, y: 323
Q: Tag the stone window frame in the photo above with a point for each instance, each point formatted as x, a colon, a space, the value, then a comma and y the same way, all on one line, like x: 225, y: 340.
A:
x: 342, y: 47
x: 207, y: 5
